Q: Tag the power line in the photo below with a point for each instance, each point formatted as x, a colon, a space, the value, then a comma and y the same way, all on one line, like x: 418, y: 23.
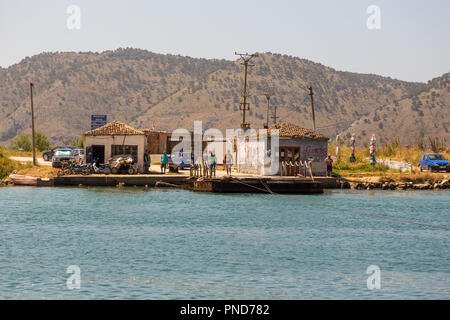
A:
x: 274, y: 116
x: 311, y: 94
x: 267, y: 95
x: 244, y: 105
x: 32, y: 123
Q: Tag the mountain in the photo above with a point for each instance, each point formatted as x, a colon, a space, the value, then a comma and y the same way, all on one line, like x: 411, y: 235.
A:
x: 424, y: 112
x: 139, y: 87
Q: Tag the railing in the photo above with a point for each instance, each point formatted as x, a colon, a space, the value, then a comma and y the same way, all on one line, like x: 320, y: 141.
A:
x: 289, y: 168
x: 205, y: 170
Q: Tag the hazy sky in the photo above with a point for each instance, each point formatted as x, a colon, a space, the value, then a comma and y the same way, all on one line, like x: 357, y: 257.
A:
x: 412, y: 43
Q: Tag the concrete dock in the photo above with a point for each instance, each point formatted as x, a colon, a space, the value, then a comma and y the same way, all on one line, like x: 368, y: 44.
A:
x: 223, y: 184
x: 112, y: 180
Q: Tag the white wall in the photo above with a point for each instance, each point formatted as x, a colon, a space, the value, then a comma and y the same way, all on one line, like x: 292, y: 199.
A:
x: 250, y: 159
x: 108, y: 141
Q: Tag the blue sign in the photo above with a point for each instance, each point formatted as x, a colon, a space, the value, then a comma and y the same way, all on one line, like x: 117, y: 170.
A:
x: 97, y: 121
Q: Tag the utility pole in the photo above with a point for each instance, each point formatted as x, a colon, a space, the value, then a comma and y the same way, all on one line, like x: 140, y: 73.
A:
x: 245, y: 106
x: 312, y: 107
x: 274, y: 117
x: 267, y: 95
x: 32, y: 124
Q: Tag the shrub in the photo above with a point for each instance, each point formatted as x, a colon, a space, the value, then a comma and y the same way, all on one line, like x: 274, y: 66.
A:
x: 7, y: 165
x: 436, y: 144
x: 391, y: 148
x: 42, y: 142
x: 77, y: 143
x: 22, y: 142
x: 420, y: 144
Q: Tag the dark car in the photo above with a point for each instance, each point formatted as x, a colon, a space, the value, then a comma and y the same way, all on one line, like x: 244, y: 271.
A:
x: 48, y: 155
x: 434, y: 162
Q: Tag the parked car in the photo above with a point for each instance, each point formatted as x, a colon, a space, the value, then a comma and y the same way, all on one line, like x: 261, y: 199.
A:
x: 63, y: 154
x: 434, y: 162
x: 178, y: 161
x: 79, y: 155
x: 48, y: 155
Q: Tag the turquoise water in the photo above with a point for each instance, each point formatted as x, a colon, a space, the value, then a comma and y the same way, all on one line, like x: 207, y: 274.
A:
x: 169, y: 244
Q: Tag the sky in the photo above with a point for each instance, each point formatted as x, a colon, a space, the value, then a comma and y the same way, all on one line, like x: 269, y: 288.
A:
x: 412, y: 41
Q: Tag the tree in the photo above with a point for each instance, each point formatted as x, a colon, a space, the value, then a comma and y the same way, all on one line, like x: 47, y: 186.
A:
x: 42, y: 142
x: 77, y: 143
x: 22, y: 142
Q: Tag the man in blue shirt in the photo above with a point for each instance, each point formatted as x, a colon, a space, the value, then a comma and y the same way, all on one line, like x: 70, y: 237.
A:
x: 164, y: 160
x: 213, y: 164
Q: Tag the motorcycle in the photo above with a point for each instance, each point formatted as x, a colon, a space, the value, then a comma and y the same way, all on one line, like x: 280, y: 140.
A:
x: 123, y: 163
x: 100, y: 168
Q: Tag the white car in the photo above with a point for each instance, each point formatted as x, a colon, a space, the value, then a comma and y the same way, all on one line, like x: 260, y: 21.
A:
x: 79, y: 155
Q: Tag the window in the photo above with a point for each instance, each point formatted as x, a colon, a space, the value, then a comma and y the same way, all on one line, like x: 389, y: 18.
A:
x: 124, y: 149
x: 289, y: 154
x: 63, y: 153
x: 436, y: 157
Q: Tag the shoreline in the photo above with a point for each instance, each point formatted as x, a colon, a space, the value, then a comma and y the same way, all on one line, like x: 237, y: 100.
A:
x: 362, y: 181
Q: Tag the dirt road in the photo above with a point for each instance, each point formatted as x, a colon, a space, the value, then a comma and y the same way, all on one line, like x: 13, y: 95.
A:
x: 40, y: 161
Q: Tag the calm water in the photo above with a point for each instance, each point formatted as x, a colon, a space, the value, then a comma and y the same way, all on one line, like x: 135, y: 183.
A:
x: 170, y: 244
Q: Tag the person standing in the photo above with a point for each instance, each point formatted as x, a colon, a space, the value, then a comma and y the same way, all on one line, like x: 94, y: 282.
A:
x: 205, y: 162
x: 146, y: 161
x: 164, y: 160
x: 329, y: 163
x: 213, y: 164
x: 228, y: 162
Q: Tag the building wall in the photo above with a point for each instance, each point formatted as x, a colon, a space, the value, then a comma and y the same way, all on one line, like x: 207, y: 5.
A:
x: 316, y: 149
x: 157, y: 141
x: 108, y: 141
x: 250, y: 158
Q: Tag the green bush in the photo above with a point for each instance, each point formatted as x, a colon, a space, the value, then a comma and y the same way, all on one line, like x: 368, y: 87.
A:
x: 7, y: 165
x: 42, y: 142
x: 23, y: 142
x: 77, y: 143
x: 358, y: 166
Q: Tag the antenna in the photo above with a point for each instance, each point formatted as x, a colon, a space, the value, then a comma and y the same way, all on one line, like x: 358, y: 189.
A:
x: 244, y: 105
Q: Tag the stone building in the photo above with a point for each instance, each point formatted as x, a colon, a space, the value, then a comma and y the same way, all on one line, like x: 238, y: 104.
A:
x: 295, y: 144
x: 112, y: 139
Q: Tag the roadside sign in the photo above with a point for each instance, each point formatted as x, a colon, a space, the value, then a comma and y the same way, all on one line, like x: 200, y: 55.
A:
x: 97, y: 121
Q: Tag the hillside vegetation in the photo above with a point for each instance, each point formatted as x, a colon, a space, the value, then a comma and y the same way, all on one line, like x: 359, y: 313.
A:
x: 139, y: 87
x: 7, y: 165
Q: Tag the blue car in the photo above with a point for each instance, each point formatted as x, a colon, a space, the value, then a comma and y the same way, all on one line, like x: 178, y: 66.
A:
x: 178, y: 161
x: 434, y: 162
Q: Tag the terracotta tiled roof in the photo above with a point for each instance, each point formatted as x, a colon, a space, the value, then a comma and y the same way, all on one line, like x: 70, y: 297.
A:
x: 114, y: 128
x: 147, y: 131
x: 293, y: 131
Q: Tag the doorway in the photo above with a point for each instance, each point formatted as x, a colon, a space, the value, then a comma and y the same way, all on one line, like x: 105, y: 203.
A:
x: 98, y: 152
x: 291, y: 157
